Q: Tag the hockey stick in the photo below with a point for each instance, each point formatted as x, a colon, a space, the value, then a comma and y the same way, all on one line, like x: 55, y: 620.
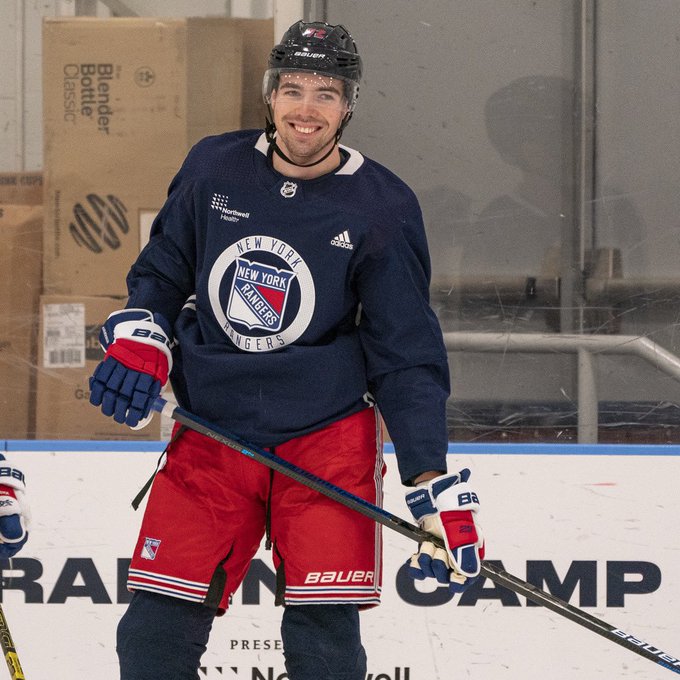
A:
x: 488, y: 570
x: 9, y: 650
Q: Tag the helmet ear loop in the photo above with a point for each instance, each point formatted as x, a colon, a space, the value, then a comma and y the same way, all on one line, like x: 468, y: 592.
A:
x: 346, y: 119
x: 270, y: 126
x: 343, y: 125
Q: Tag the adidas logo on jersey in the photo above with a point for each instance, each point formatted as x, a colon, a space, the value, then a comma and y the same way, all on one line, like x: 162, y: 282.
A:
x: 342, y: 240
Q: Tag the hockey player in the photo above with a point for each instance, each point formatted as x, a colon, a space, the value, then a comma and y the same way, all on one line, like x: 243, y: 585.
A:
x: 284, y: 290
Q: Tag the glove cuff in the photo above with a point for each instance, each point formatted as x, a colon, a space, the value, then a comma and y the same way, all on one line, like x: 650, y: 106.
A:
x: 12, y: 504
x: 458, y: 497
x: 144, y: 331
x: 142, y: 357
x: 139, y: 325
x: 419, y: 502
x: 440, y: 493
x: 10, y: 476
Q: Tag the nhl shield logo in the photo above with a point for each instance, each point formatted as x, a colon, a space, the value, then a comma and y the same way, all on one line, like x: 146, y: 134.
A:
x: 258, y: 295
x: 288, y: 189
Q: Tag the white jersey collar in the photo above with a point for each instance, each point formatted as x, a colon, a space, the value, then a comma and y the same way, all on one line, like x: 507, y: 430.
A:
x: 353, y: 163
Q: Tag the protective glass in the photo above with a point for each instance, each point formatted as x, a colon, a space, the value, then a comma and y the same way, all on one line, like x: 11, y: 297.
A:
x: 296, y: 88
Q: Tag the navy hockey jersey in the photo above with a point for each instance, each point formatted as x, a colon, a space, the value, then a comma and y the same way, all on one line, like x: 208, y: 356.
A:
x: 295, y: 303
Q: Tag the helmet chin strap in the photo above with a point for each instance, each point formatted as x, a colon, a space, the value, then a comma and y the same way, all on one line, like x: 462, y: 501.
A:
x: 270, y: 130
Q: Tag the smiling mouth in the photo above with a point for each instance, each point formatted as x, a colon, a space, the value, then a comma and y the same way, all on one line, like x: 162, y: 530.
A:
x: 304, y: 129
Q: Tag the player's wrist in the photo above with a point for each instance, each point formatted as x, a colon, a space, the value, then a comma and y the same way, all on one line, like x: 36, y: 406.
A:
x: 425, y: 477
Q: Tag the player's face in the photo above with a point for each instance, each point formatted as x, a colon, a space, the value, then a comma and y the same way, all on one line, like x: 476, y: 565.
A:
x: 307, y: 109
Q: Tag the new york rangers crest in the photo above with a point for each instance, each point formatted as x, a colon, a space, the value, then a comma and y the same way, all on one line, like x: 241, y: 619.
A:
x: 262, y: 293
x: 150, y: 548
x: 258, y: 295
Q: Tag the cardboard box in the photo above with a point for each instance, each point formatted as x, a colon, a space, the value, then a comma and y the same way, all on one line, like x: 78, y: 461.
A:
x: 20, y: 265
x: 69, y: 351
x: 258, y: 40
x: 21, y: 188
x: 123, y: 100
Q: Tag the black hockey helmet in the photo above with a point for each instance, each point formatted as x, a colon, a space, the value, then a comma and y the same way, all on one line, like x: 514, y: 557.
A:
x: 316, y: 48
x: 320, y: 48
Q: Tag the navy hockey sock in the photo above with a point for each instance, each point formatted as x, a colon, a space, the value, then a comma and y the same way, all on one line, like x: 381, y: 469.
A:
x: 323, y: 641
x: 162, y: 637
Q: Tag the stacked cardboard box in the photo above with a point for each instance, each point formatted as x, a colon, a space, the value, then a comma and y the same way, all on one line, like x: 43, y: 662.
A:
x: 258, y: 40
x: 124, y: 100
x: 21, y: 188
x: 20, y: 262
x: 68, y: 353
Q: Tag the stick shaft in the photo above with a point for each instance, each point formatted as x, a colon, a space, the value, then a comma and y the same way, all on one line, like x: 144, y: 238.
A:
x: 8, y: 649
x: 488, y: 570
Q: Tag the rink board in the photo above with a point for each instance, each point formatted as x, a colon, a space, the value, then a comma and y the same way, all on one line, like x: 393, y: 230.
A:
x: 598, y: 523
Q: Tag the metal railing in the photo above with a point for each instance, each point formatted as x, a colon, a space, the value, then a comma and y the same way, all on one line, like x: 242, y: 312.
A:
x: 586, y: 347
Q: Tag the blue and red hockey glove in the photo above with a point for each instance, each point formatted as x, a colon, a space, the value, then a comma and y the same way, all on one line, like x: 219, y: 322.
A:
x: 14, y: 514
x: 135, y: 367
x: 446, y: 506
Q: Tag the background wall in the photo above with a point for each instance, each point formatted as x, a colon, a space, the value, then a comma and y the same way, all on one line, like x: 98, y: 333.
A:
x: 477, y: 105
x: 21, y: 57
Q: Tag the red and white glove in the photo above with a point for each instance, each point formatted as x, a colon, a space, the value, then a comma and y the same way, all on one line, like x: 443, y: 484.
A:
x: 135, y: 367
x: 446, y: 506
x: 14, y: 513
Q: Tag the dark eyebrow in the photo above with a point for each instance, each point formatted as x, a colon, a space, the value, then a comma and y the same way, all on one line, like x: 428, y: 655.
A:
x: 325, y: 88
x: 329, y: 88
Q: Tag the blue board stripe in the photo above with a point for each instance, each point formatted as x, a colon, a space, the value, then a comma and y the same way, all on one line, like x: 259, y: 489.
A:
x: 456, y: 448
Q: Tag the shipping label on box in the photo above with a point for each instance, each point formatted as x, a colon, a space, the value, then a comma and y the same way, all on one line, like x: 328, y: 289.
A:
x: 69, y: 352
x: 63, y: 335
